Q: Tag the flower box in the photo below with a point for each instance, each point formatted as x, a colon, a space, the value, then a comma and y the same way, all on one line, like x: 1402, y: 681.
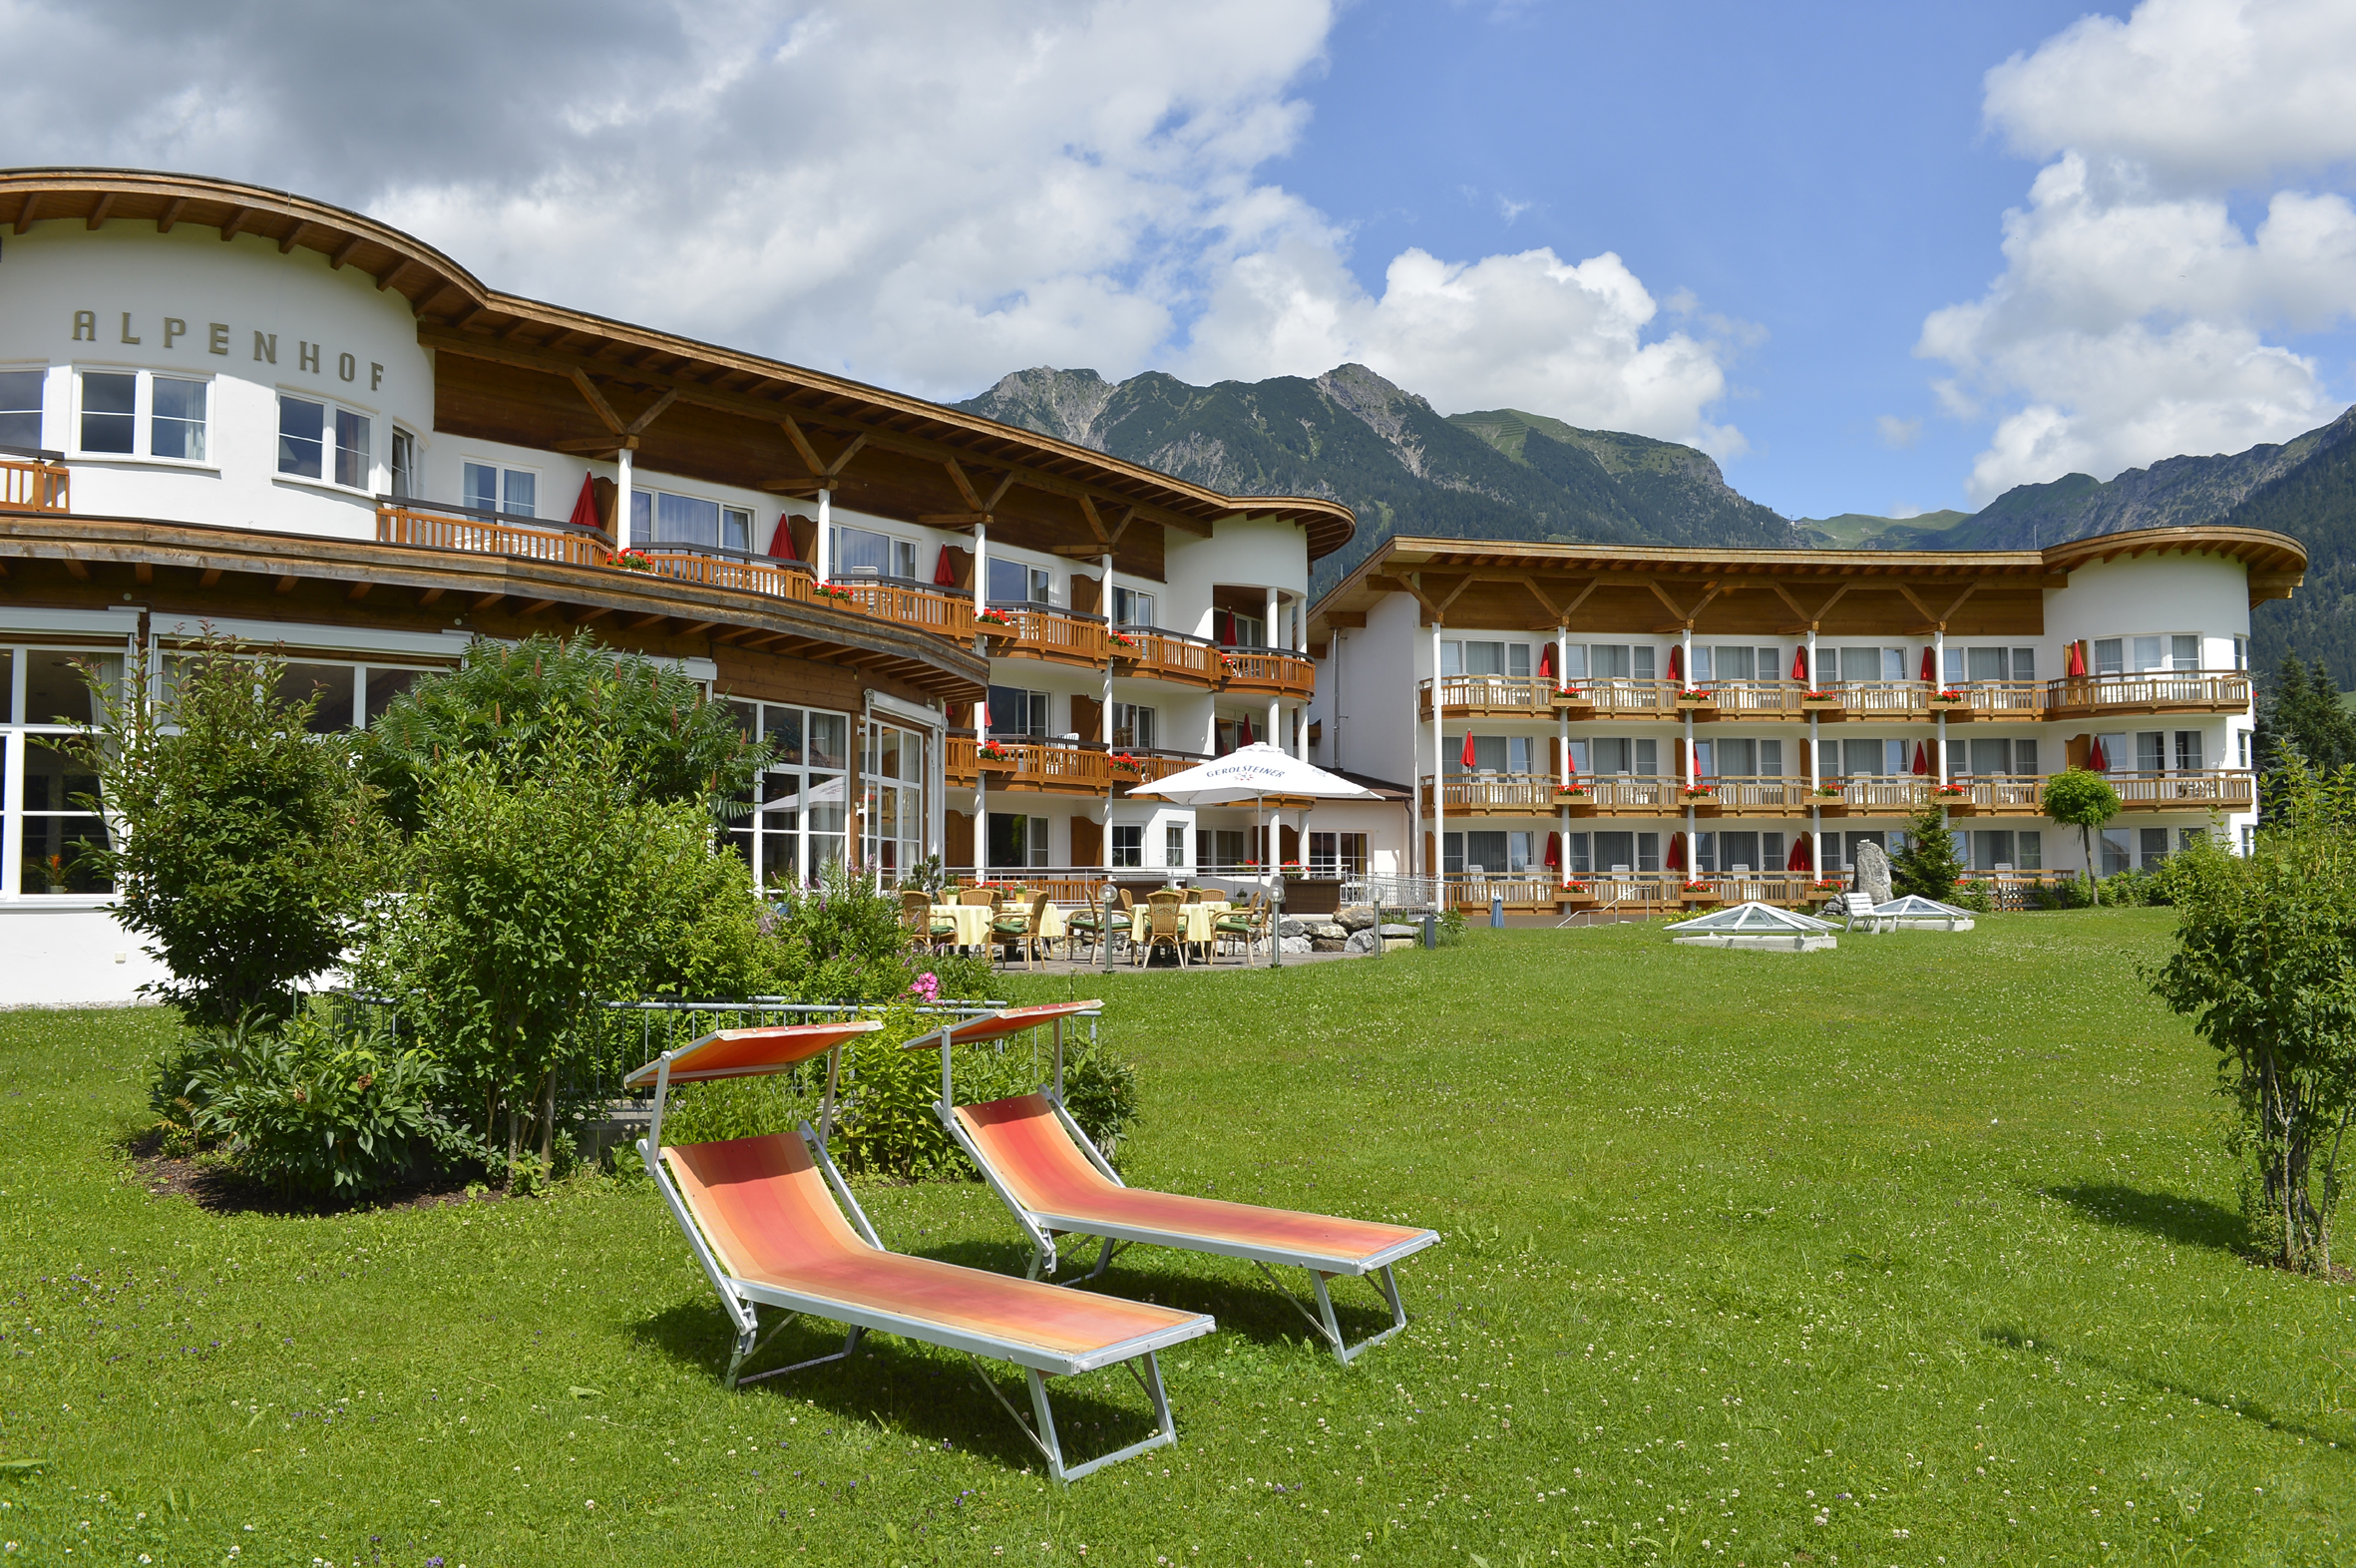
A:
x: 1124, y: 765
x: 1565, y: 698
x: 633, y: 560
x: 833, y: 590
x: 994, y: 757
x: 1953, y: 704
x: 1125, y: 650
x: 1699, y: 893
x: 1696, y: 697
x: 1702, y: 801
x: 1572, y: 792
x: 1574, y: 893
x: 995, y: 624
x: 1832, y: 802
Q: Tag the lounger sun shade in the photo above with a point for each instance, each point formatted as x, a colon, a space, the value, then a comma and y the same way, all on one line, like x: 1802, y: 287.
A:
x: 1050, y: 1175
x: 775, y: 1225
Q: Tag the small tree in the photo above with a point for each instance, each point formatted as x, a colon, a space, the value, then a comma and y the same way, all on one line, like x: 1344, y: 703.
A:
x: 527, y: 899
x: 247, y: 845
x: 1928, y: 866
x: 2265, y: 965
x: 2079, y: 799
x: 510, y: 702
x: 2301, y: 716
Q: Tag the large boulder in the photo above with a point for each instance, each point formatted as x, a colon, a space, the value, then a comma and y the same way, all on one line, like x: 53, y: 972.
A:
x: 1357, y: 917
x: 1363, y: 940
x: 1296, y: 944
x: 1327, y: 944
x: 1873, y: 872
x: 1288, y: 927
x: 1403, y: 931
x: 1326, y: 931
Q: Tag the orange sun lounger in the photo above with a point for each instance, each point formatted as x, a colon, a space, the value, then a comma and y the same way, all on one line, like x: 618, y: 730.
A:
x: 1050, y: 1175
x: 769, y: 1230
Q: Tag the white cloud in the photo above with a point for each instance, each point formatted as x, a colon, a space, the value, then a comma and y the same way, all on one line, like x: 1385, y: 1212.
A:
x: 1897, y: 433
x: 920, y: 194
x: 2137, y: 317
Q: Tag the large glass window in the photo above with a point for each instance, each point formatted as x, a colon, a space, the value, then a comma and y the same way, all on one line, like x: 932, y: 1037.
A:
x: 20, y: 407
x: 176, y: 426
x: 324, y: 441
x: 404, y: 463
x: 1014, y: 711
x: 1858, y: 664
x: 657, y: 516
x: 860, y: 551
x: 892, y: 798
x: 1018, y: 841
x: 302, y: 437
x: 799, y: 817
x: 1128, y: 843
x: 1468, y: 657
x: 1134, y: 726
x: 109, y: 411
x: 1174, y: 843
x: 514, y: 491
x: 44, y: 793
x: 1130, y: 608
x: 1016, y: 583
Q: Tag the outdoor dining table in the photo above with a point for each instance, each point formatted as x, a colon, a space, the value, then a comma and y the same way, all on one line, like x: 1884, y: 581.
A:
x: 972, y: 922
x: 1194, y: 925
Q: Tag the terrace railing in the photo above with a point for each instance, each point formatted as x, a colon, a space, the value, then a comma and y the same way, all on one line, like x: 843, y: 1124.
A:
x: 2204, y: 789
x: 1052, y: 634
x: 32, y: 480
x: 2150, y: 692
x: 1173, y: 656
x: 474, y: 531
x: 1060, y: 766
x: 1276, y: 672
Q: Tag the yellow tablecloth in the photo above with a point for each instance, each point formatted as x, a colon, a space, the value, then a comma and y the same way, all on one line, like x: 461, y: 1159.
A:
x: 972, y: 922
x: 1195, y: 922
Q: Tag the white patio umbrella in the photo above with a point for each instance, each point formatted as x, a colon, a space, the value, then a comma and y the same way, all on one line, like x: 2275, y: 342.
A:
x: 1254, y: 773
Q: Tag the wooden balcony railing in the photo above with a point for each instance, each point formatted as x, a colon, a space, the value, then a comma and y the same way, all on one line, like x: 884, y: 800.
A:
x: 747, y: 574
x: 2022, y: 702
x: 1043, y: 633
x: 945, y: 615
x: 1059, y: 766
x: 2154, y: 691
x: 1491, y: 696
x: 1167, y: 655
x: 399, y: 522
x: 1270, y: 673
x: 1883, y: 699
x: 1758, y: 699
x: 2207, y: 789
x: 35, y: 483
x: 2002, y: 794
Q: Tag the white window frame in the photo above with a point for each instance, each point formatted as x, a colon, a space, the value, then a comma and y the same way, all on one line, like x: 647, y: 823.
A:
x: 327, y: 448
x: 503, y: 471
x: 142, y: 417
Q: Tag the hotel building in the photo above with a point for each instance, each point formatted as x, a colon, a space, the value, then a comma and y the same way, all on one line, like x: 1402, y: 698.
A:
x: 231, y: 407
x: 1597, y: 728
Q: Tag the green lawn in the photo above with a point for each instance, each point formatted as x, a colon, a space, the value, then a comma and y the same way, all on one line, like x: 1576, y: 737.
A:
x: 1917, y: 1252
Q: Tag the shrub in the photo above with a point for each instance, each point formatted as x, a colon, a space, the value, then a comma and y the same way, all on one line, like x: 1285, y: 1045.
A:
x: 307, y: 1108
x: 1928, y: 866
x: 1972, y: 895
x: 249, y: 845
x: 842, y: 941
x: 516, y: 702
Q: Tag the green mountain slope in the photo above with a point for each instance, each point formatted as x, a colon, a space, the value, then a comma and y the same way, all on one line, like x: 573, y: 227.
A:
x: 1384, y: 452
x: 1864, y: 530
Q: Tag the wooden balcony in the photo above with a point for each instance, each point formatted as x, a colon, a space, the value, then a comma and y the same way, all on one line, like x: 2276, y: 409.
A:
x: 1750, y: 700
x: 1270, y: 673
x: 2154, y: 691
x: 948, y: 616
x: 747, y: 574
x: 2207, y: 789
x: 2015, y: 701
x: 1169, y: 655
x: 489, y: 533
x: 1532, y: 795
x: 1491, y: 696
x: 1058, y: 767
x: 1999, y: 795
x: 30, y: 483
x: 1043, y: 633
x: 1880, y: 700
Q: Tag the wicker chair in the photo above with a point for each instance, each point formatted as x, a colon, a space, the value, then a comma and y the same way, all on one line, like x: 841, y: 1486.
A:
x: 1166, y: 927
x: 1087, y: 929
x: 1022, y: 930
x: 981, y: 896
x: 1247, y: 925
x: 916, y: 915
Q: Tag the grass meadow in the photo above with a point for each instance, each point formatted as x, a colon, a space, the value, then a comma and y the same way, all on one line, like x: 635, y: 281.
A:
x: 1920, y: 1252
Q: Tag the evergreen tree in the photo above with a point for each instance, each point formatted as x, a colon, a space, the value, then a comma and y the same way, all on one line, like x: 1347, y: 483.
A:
x: 1928, y: 865
x: 2303, y: 715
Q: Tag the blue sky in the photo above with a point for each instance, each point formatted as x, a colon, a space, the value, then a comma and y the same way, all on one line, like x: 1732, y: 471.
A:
x: 1824, y: 178
x: 1873, y: 257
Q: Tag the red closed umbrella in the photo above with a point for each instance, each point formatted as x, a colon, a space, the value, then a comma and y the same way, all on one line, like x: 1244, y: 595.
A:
x: 1800, y: 664
x: 2076, y: 661
x: 1677, y: 664
x: 2096, y: 758
x: 1247, y: 730
x: 1675, y: 859
x: 1570, y: 766
x: 1804, y: 855
x: 1923, y: 761
x: 781, y: 542
x: 585, y: 505
x: 943, y: 574
x: 1464, y: 757
x: 1553, y: 848
x: 981, y: 719
x: 1229, y: 639
x: 1545, y: 666
x: 1929, y: 670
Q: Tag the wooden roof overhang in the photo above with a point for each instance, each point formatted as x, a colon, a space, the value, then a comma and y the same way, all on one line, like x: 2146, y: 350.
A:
x: 421, y: 579
x: 519, y: 370
x: 1637, y: 590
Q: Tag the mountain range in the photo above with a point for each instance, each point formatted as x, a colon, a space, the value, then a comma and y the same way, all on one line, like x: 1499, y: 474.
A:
x: 1405, y: 469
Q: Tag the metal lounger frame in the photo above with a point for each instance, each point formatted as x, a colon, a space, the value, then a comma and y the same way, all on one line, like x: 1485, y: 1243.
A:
x: 1043, y: 1230
x: 743, y: 1299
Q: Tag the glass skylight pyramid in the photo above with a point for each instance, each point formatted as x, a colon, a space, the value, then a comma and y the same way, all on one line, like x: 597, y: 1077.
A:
x: 1752, y: 919
x: 1915, y: 907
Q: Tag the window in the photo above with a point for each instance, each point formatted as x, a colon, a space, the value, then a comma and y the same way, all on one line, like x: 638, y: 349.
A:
x: 1620, y: 661
x: 1128, y: 845
x: 2242, y: 738
x: 1873, y: 758
x: 2115, y: 851
x: 1739, y: 759
x: 404, y: 463
x: 1130, y: 608
x: 1628, y: 850
x: 864, y: 553
x: 1174, y: 843
x: 1492, y: 755
x: 20, y: 408
x: 2152, y: 751
x: 2188, y: 751
x: 799, y: 816
x: 2004, y: 851
x: 2249, y: 839
x: 2109, y: 656
x: 1617, y: 754
x: 1994, y: 758
x: 514, y: 491
x: 322, y: 441
x: 1732, y: 663
x: 2152, y: 847
x: 1574, y: 661
x: 1486, y: 658
x: 1014, y: 712
x: 2240, y: 644
x: 109, y: 411
x: 1337, y: 854
x: 1579, y: 757
x: 1490, y: 854
x: 1222, y: 849
x: 1975, y: 665
x: 41, y: 688
x: 657, y: 516
x: 1018, y: 843
x: 1133, y: 726
x: 1239, y: 631
x: 1858, y: 664
x: 1017, y: 582
x: 175, y: 420
x: 1577, y: 857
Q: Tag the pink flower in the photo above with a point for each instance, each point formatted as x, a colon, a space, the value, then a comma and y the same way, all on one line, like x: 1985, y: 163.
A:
x: 927, y: 988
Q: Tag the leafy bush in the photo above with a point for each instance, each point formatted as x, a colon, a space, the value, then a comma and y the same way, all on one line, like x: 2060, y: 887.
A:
x: 1100, y: 1091
x: 842, y: 941
x: 515, y: 704
x: 2075, y: 894
x: 1972, y: 895
x: 1928, y: 866
x: 249, y: 846
x: 306, y: 1107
